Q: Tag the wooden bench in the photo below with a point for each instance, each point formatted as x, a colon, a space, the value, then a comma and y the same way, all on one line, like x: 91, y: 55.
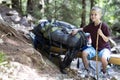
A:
x: 114, y: 59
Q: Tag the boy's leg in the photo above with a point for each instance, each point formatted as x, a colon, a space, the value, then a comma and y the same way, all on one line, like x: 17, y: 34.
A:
x: 84, y: 59
x: 104, y: 55
x: 87, y: 54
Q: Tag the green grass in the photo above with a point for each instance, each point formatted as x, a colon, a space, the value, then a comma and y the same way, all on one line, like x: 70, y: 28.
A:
x: 2, y: 57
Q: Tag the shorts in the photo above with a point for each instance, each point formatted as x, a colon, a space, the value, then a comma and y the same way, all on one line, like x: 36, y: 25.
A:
x: 92, y: 53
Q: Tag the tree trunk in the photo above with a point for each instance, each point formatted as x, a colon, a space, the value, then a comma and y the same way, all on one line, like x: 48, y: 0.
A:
x: 83, y: 16
x: 42, y: 7
x: 16, y: 4
x: 92, y: 4
x: 30, y: 6
x: 20, y: 6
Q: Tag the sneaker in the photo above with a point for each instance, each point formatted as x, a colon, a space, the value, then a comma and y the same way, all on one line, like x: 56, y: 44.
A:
x: 104, y: 76
x: 63, y: 71
x: 85, y: 73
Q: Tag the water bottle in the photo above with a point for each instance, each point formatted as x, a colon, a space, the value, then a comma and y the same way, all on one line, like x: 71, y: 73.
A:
x: 89, y: 41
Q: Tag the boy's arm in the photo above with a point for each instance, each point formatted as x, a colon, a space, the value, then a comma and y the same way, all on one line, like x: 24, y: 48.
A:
x: 74, y: 31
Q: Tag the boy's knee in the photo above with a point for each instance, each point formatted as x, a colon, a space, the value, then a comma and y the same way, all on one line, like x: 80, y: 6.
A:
x: 105, y: 58
x: 105, y: 53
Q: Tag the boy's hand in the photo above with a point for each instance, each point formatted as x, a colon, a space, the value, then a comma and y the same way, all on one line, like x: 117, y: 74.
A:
x: 74, y: 31
x: 105, y: 38
x: 100, y: 32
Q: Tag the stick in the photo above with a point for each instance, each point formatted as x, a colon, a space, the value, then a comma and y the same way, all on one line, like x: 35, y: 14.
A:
x: 97, y: 52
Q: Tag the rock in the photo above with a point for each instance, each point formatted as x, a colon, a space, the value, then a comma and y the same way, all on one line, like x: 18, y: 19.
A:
x: 1, y: 41
x: 1, y: 17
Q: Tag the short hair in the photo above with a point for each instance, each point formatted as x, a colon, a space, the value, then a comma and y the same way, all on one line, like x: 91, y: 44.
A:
x: 97, y: 8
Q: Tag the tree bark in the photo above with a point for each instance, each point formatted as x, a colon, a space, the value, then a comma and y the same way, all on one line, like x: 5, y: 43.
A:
x: 83, y: 16
x: 16, y: 4
x: 30, y: 6
x: 92, y: 4
x: 42, y: 7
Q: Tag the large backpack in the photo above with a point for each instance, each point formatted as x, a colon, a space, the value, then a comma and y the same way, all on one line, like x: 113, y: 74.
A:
x: 59, y: 32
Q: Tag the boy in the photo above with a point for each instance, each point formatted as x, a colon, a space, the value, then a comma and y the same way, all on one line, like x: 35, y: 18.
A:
x: 103, y: 45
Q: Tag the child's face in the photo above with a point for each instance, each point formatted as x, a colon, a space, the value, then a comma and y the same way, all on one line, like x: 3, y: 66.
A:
x: 95, y: 16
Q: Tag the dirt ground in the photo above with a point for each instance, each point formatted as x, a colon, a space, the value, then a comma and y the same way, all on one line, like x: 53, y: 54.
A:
x: 18, y: 48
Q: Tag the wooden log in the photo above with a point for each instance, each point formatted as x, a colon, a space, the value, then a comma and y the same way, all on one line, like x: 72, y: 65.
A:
x: 114, y: 59
x: 57, y: 49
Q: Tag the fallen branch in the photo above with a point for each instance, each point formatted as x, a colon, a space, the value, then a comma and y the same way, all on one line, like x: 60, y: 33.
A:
x: 7, y: 28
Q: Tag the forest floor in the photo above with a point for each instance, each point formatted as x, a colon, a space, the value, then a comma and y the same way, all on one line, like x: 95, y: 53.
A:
x: 22, y: 61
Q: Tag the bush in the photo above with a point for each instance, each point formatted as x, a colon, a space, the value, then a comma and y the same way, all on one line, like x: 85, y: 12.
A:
x: 2, y: 57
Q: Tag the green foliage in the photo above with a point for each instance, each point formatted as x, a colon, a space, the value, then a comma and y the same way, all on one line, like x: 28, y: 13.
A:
x: 65, y: 10
x: 71, y: 10
x: 2, y: 57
